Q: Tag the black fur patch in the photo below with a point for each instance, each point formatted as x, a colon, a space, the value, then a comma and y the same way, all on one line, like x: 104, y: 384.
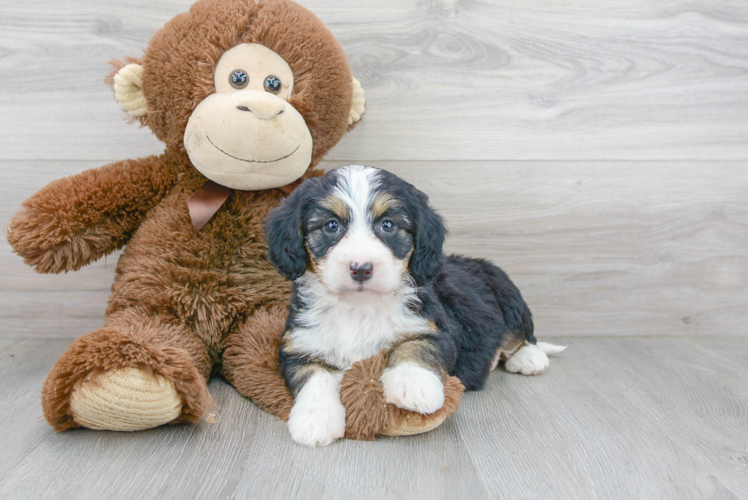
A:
x: 296, y: 369
x: 399, y: 240
x: 477, y: 309
x: 319, y: 239
x: 286, y: 227
x: 425, y: 226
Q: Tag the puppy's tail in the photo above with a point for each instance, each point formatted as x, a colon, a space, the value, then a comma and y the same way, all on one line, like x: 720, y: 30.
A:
x: 550, y: 349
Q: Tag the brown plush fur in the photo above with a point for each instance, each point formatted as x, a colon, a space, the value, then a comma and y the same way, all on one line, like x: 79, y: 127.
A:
x: 366, y: 412
x: 136, y: 338
x: 250, y: 362
x: 77, y: 220
x: 186, y: 305
x: 322, y: 78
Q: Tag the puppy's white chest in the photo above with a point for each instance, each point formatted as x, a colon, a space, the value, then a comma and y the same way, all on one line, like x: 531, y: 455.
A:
x: 343, y: 334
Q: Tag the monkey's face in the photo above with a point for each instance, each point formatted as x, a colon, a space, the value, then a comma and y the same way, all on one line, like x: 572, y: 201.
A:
x: 256, y: 92
x: 246, y: 135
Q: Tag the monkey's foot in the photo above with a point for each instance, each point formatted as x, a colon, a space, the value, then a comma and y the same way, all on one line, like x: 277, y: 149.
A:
x: 127, y: 399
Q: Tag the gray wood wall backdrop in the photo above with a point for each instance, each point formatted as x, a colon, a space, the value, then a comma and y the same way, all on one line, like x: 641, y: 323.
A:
x: 595, y: 150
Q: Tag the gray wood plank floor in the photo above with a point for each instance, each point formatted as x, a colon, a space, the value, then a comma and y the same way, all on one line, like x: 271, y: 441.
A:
x: 612, y: 418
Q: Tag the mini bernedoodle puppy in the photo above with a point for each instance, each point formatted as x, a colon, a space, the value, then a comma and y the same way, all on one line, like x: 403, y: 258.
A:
x: 364, y: 249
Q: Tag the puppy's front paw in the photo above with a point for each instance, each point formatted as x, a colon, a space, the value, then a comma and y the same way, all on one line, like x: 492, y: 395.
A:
x: 317, y: 423
x: 413, y: 387
x: 529, y: 360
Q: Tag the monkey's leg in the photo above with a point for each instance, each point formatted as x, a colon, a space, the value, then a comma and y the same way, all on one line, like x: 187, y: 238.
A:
x: 137, y: 372
x: 250, y: 361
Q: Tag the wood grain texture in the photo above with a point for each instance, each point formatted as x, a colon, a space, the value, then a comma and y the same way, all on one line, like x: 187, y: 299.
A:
x: 445, y: 79
x: 612, y: 418
x: 633, y: 418
x: 605, y: 248
x: 597, y: 248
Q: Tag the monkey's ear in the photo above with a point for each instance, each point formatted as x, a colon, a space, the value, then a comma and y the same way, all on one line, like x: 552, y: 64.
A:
x: 128, y: 90
x: 358, y: 104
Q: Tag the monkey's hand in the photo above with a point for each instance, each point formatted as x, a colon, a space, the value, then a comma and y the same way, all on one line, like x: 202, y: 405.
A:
x: 76, y: 220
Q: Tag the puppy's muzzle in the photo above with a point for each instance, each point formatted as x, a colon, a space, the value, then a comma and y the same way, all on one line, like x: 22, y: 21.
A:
x: 361, y: 272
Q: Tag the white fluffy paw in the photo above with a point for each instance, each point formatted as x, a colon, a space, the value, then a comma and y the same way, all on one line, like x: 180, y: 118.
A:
x: 413, y: 387
x: 317, y: 426
x: 317, y: 417
x: 529, y: 360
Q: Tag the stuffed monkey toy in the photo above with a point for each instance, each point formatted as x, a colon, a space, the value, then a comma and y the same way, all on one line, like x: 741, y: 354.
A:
x: 248, y: 96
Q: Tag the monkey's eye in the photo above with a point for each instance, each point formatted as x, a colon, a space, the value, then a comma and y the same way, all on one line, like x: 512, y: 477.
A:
x: 388, y: 226
x: 332, y: 226
x: 239, y: 79
x: 272, y: 84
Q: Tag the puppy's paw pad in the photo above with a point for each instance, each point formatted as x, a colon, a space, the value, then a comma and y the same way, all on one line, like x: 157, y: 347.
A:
x: 319, y: 425
x: 529, y: 360
x: 412, y: 387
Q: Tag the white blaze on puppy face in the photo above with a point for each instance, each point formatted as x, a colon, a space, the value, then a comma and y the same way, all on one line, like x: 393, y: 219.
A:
x: 357, y: 188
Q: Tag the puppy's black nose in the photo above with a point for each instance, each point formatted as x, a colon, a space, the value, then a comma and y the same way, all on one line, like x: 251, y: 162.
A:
x: 361, y: 272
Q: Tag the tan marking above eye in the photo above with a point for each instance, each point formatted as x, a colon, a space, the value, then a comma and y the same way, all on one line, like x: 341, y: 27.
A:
x: 336, y: 206
x: 383, y: 202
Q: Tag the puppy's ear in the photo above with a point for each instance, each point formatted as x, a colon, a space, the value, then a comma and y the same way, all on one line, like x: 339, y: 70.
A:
x: 425, y: 263
x: 285, y: 234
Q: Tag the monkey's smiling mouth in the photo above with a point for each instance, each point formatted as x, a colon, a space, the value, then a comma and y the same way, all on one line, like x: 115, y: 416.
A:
x: 251, y: 161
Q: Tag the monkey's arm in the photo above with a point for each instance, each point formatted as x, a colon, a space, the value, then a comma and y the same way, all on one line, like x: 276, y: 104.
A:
x: 76, y: 220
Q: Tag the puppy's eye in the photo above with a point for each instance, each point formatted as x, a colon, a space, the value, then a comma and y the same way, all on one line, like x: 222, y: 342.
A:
x: 332, y: 226
x: 388, y: 226
x: 272, y: 84
x: 239, y: 79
